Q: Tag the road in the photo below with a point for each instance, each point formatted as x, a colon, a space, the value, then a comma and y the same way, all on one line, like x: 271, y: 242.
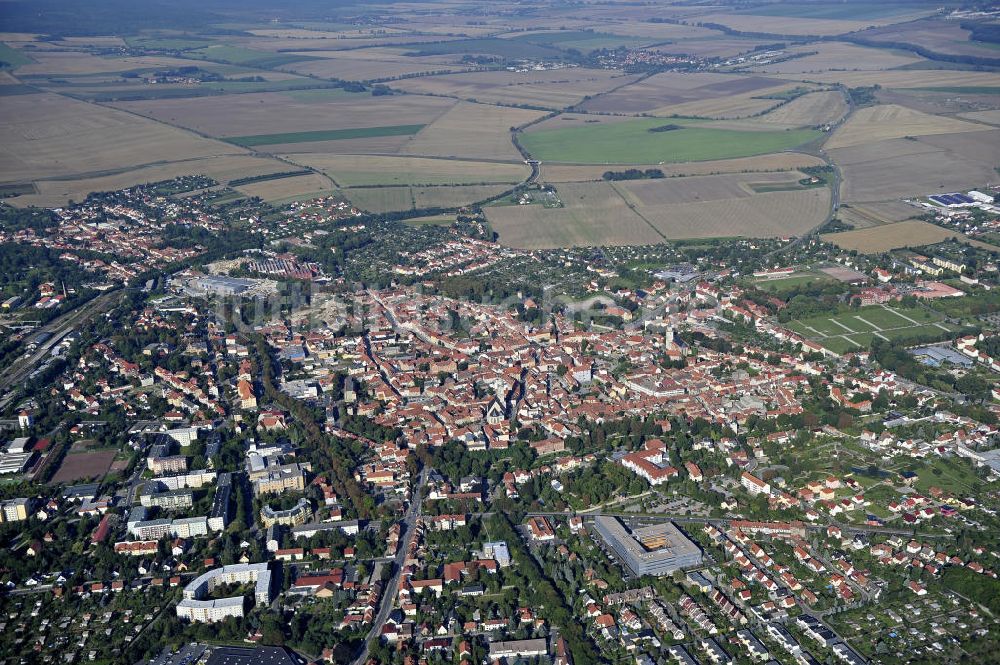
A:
x: 388, y: 599
x: 724, y: 522
x: 59, y: 327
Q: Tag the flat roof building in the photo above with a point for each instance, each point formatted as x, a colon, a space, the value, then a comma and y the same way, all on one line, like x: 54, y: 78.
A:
x: 653, y: 550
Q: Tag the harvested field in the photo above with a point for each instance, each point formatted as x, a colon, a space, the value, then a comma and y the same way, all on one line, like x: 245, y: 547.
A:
x: 352, y: 69
x: 471, y: 131
x: 900, y: 78
x: 288, y: 188
x: 887, y: 121
x: 652, y: 140
x: 594, y: 214
x: 827, y: 56
x: 673, y: 88
x: 787, y: 25
x: 451, y: 197
x: 83, y: 466
x: 989, y: 117
x: 44, y: 136
x: 783, y: 161
x: 353, y: 170
x: 553, y: 89
x: 940, y: 103
x: 912, y: 233
x: 381, y: 199
x: 643, y: 193
x: 384, y: 145
x: 940, y: 36
x: 615, y: 214
x: 810, y: 110
x: 67, y: 63
x: 875, y: 213
x: 276, y: 113
x: 767, y: 215
x: 713, y: 47
x: 730, y: 106
x: 54, y: 193
x: 898, y: 168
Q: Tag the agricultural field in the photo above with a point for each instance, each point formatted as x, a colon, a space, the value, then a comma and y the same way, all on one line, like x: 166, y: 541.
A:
x: 355, y: 69
x: 453, y: 197
x: 837, y: 56
x: 674, y: 88
x: 699, y: 188
x: 875, y: 240
x: 900, y: 78
x: 652, y: 141
x: 555, y: 89
x: 47, y: 136
x: 893, y: 169
x: 472, y: 131
x: 281, y: 113
x: 593, y: 214
x: 856, y: 328
x: 782, y: 161
x: 744, y: 105
x: 381, y: 199
x: 391, y: 199
x: 644, y: 215
x: 809, y: 110
x: 285, y: 189
x: 788, y: 20
x: 354, y: 170
x: 886, y: 121
x: 939, y: 36
x: 223, y: 168
x: 324, y: 135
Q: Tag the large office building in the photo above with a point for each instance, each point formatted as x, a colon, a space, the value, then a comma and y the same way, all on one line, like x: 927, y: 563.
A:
x: 653, y: 550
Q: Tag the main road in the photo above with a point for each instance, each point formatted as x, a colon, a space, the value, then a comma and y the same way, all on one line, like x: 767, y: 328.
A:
x: 389, y: 590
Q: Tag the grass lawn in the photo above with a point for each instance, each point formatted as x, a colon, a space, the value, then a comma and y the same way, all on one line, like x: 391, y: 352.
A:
x: 951, y: 475
x: 324, y: 135
x: 632, y: 142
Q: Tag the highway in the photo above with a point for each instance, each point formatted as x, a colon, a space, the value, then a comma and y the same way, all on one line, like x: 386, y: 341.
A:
x: 389, y: 590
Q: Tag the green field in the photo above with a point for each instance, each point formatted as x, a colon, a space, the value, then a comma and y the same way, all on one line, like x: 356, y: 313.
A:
x: 324, y: 135
x: 244, y: 56
x: 11, y: 57
x: 504, y: 48
x: 167, y: 43
x: 632, y: 142
x: 854, y: 329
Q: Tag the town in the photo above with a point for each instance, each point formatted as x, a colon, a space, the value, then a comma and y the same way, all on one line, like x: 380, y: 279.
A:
x: 393, y: 474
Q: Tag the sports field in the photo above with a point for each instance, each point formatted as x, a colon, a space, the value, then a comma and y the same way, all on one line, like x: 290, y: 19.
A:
x: 639, y: 142
x: 855, y: 329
